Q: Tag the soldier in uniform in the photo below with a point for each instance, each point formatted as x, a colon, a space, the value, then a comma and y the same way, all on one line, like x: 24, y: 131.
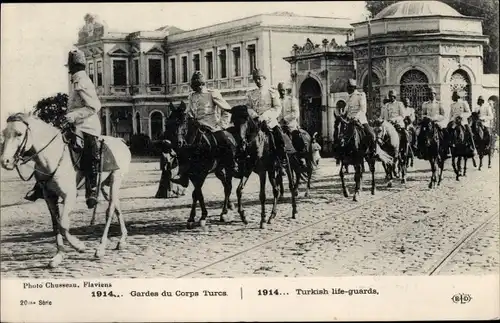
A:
x: 289, y: 120
x: 460, y: 108
x: 265, y: 103
x: 356, y: 109
x: 394, y: 110
x: 409, y: 111
x: 82, y: 112
x: 432, y: 109
x: 210, y: 110
x: 485, y: 112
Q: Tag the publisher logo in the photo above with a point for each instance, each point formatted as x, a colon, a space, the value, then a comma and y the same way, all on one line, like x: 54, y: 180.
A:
x: 461, y: 298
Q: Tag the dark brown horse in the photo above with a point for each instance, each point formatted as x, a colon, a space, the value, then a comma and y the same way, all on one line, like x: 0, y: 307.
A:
x: 459, y: 147
x: 432, y: 146
x: 201, y: 151
x: 483, y: 139
x: 298, y: 172
x: 353, y: 149
x: 259, y: 158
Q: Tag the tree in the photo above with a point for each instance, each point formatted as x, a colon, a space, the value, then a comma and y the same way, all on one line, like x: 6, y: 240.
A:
x: 486, y: 9
x: 51, y: 109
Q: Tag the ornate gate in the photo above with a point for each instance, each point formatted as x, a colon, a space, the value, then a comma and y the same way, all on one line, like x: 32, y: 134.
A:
x: 460, y: 82
x: 310, y: 106
x: 414, y: 85
x: 373, y: 108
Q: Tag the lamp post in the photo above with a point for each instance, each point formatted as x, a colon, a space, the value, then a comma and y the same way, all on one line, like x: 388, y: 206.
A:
x: 370, y: 85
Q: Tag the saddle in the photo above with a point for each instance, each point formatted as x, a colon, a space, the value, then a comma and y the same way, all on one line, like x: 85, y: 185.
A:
x: 74, y: 139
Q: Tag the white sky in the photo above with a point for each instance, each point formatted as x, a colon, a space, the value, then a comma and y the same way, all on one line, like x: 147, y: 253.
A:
x: 35, y: 38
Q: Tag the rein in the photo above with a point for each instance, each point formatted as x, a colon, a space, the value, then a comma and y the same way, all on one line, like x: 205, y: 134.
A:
x: 19, y: 160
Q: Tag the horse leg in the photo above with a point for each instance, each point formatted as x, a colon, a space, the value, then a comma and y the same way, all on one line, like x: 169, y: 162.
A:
x: 190, y: 223
x: 455, y: 169
x: 201, y: 199
x: 239, y: 192
x: 441, y: 168
x: 490, y: 152
x: 227, y: 185
x: 114, y: 197
x: 433, y: 170
x: 272, y: 180
x: 279, y: 180
x: 51, y: 200
x: 64, y: 224
x: 262, y: 197
x: 402, y: 168
x: 480, y: 161
x: 465, y: 167
x: 371, y: 164
x: 390, y: 172
x: 357, y: 180
x: 341, y: 175
x: 309, y: 175
x: 293, y: 188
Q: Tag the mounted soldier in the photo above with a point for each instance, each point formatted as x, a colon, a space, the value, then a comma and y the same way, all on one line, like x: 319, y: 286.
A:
x: 433, y: 110
x: 82, y: 112
x: 394, y: 111
x: 338, y: 112
x: 485, y: 112
x: 289, y: 120
x: 409, y: 111
x: 210, y: 110
x: 265, y: 104
x: 356, y: 109
x: 460, y: 110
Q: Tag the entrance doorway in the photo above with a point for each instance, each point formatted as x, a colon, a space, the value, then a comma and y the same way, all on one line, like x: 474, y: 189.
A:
x: 310, y: 106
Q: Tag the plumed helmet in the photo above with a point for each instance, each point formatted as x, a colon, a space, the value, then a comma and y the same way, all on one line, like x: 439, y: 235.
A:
x: 257, y: 72
x: 351, y: 83
x: 76, y: 56
x: 198, y: 77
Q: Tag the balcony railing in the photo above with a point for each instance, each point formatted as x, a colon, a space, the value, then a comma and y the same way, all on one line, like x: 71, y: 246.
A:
x: 155, y: 88
x: 120, y: 89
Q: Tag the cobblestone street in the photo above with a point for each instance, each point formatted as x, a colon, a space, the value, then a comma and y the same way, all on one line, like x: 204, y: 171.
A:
x: 404, y: 230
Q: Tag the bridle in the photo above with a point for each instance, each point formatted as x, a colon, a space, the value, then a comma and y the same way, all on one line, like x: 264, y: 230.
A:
x: 21, y: 151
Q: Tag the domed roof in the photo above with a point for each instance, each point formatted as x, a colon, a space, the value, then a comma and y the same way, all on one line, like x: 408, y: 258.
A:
x: 417, y: 8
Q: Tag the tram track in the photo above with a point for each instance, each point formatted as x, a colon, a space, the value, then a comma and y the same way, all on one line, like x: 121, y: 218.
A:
x: 457, y: 247
x: 385, y: 235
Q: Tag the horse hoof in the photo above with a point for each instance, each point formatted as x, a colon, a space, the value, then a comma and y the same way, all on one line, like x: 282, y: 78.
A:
x: 56, y: 261
x: 80, y: 247
x: 403, y: 181
x: 121, y: 245
x: 203, y: 223
x: 222, y: 219
x: 389, y: 184
x: 245, y: 222
x: 355, y: 198
x: 190, y: 225
x: 294, y: 214
x: 263, y: 225
x: 373, y: 192
x: 99, y: 253
x: 346, y: 194
x: 306, y: 195
x: 231, y: 206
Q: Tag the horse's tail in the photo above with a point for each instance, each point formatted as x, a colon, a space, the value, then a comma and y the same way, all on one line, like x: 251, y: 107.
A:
x: 385, y: 157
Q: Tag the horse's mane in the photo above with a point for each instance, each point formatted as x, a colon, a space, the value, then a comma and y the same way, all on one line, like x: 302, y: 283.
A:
x: 240, y: 115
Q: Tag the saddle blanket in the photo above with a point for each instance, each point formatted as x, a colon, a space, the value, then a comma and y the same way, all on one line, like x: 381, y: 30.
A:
x: 107, y: 157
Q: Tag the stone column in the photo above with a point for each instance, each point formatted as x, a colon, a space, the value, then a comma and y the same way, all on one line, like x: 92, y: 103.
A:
x: 108, y: 121
x: 243, y: 59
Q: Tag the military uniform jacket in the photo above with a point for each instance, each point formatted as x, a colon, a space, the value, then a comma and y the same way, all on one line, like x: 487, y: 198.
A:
x: 84, y: 105
x: 356, y: 106
x: 485, y: 114
x: 460, y: 108
x: 209, y: 109
x: 433, y: 110
x: 266, y: 103
x: 291, y: 112
x: 393, y: 111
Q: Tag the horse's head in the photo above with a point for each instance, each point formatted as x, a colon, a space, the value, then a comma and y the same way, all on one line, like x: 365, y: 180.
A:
x: 347, y: 132
x: 16, y: 139
x: 239, y: 115
x: 378, y: 128
x: 177, y: 125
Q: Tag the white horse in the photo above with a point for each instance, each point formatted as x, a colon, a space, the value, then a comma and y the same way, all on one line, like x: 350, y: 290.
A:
x: 26, y: 137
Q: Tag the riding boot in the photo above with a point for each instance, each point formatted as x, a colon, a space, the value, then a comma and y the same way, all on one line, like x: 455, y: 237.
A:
x: 182, y: 178
x: 228, y: 148
x: 471, y: 139
x: 35, y: 193
x: 92, y: 161
x: 300, y: 146
x: 373, y: 146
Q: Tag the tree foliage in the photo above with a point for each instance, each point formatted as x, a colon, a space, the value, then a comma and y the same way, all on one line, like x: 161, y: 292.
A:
x: 51, y: 109
x: 485, y: 9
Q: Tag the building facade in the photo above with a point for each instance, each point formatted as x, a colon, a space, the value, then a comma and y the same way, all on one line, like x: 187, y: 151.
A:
x: 417, y: 44
x: 138, y: 75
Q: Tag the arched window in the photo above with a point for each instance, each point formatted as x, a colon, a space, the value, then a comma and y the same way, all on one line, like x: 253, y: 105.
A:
x: 460, y: 82
x: 414, y: 85
x: 138, y: 122
x: 156, y: 121
x: 373, y: 108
